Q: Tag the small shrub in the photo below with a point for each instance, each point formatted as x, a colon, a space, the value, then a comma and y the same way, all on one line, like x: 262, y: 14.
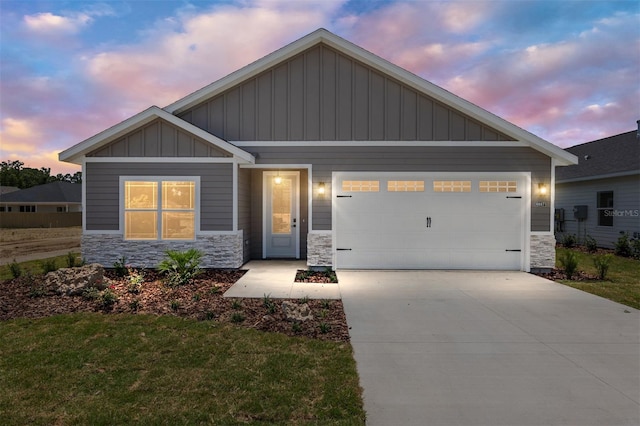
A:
x: 175, y: 305
x: 237, y: 317
x: 209, y: 315
x: 108, y: 298
x: 296, y: 327
x: 304, y: 300
x: 569, y: 262
x: 326, y: 303
x: 635, y: 248
x: 324, y: 313
x: 623, y: 246
x: 590, y: 244
x: 236, y: 304
x: 196, y: 297
x: 135, y: 305
x: 135, y: 280
x: 120, y: 267
x: 48, y: 265
x: 181, y: 267
x: 569, y: 240
x: 35, y: 289
x: 324, y: 328
x: 15, y: 269
x: 269, y: 304
x: 214, y: 290
x: 602, y: 264
x: 91, y: 293
x: 71, y: 260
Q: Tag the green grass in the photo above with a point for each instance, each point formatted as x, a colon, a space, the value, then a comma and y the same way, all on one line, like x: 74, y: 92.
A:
x: 129, y: 369
x: 34, y: 266
x: 621, y: 285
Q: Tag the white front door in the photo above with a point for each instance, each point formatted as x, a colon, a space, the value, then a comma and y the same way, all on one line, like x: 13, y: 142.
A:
x: 281, y: 234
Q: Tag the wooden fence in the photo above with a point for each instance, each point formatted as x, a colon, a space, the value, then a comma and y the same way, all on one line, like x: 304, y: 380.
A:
x: 40, y: 220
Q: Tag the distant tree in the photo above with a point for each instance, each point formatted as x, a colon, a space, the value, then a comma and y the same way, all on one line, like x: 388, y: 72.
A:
x: 13, y: 173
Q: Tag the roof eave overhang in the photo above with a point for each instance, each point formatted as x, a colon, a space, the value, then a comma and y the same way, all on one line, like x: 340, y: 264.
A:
x: 76, y: 153
x: 597, y: 177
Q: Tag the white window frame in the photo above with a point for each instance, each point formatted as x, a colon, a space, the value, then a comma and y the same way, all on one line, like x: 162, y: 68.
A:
x: 159, y: 210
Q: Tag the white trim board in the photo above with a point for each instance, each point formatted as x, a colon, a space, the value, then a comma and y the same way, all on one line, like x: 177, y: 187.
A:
x: 78, y: 151
x: 501, y: 144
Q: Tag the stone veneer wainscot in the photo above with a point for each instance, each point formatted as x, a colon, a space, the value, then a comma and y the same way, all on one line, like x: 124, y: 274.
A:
x: 219, y: 250
x: 543, y: 252
x: 319, y: 249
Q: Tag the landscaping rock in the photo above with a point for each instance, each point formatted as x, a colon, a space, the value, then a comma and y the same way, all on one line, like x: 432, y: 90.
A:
x: 73, y: 281
x: 295, y: 312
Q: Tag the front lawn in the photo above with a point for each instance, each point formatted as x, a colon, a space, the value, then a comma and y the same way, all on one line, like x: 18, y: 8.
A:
x: 90, y: 368
x: 622, y: 283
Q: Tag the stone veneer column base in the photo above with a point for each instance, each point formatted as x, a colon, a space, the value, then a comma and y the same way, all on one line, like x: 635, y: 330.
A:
x: 543, y: 252
x: 319, y: 249
x: 222, y: 250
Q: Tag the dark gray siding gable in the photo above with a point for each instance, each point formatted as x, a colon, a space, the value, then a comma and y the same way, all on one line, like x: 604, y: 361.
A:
x: 159, y: 139
x: 321, y: 94
x: 102, y: 191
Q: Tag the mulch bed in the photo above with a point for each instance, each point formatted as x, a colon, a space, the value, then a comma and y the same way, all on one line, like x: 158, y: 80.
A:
x: 558, y: 274
x: 26, y: 297
x: 309, y: 276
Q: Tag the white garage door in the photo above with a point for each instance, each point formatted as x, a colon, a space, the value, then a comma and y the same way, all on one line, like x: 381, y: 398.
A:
x: 429, y: 220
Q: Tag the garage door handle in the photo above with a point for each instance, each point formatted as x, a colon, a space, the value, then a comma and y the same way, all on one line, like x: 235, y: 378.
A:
x: 513, y: 196
x: 513, y: 250
x: 341, y: 249
x: 344, y: 196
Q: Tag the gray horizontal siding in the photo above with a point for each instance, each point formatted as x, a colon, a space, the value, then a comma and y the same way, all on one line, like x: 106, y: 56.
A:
x: 102, y: 191
x: 326, y: 160
x: 159, y: 139
x: 321, y: 94
x: 626, y: 197
x: 244, y: 210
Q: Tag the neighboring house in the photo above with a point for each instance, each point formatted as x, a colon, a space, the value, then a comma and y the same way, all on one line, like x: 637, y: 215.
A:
x: 54, y: 197
x: 321, y: 151
x: 600, y: 196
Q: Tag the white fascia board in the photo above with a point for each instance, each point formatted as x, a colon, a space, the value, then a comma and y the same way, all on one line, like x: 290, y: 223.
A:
x: 243, y: 144
x: 597, y: 177
x: 77, y: 152
x: 349, y: 49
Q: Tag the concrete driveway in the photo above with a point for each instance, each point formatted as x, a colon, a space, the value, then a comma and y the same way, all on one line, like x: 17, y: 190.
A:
x: 490, y: 348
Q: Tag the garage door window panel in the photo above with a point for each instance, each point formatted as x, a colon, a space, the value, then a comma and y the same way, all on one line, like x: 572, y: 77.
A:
x: 361, y: 185
x: 498, y: 186
x: 452, y: 186
x: 405, y: 186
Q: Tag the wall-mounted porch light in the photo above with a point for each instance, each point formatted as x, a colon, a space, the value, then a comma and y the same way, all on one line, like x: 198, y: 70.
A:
x: 321, y: 188
x: 542, y: 189
x: 278, y: 179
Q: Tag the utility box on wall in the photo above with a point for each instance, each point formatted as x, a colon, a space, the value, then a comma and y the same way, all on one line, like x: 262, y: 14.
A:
x: 580, y: 212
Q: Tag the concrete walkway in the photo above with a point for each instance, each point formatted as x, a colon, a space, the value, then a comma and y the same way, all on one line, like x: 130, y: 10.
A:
x: 490, y: 348
x: 275, y: 278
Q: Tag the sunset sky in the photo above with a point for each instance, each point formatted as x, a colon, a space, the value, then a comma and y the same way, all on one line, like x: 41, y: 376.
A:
x: 568, y: 71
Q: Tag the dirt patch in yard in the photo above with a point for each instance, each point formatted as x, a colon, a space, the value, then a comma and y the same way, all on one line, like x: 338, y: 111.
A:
x: 201, y: 300
x: 37, y: 243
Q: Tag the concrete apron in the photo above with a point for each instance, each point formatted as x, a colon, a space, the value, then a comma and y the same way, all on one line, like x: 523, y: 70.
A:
x: 490, y: 348
x: 275, y: 278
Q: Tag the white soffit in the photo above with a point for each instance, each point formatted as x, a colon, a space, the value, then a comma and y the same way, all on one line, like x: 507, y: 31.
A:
x: 76, y: 152
x: 349, y: 49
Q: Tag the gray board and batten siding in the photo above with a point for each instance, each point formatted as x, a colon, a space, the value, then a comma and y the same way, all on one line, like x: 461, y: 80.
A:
x: 326, y: 160
x: 103, y: 192
x: 323, y: 95
x: 159, y: 139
